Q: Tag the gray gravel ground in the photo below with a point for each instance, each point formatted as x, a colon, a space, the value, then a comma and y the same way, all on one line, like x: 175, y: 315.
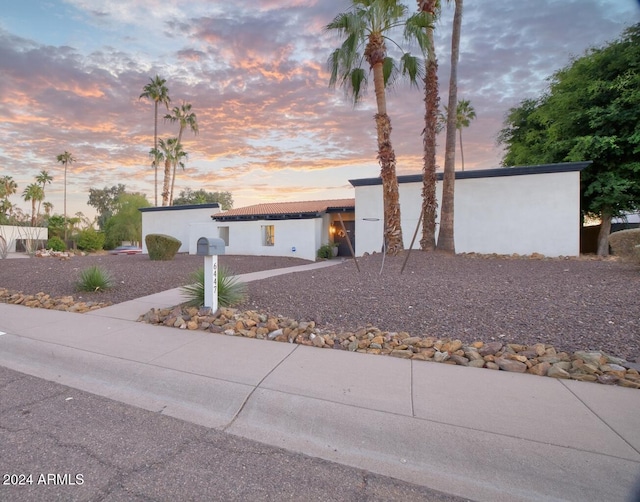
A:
x: 573, y: 304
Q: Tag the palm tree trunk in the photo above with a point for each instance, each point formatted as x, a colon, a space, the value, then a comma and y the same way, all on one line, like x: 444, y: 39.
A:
x: 429, y: 180
x: 175, y: 165
x: 155, y: 146
x: 165, y: 184
x: 387, y: 160
x: 65, y: 202
x: 461, y: 152
x: 603, y: 234
x: 446, y: 241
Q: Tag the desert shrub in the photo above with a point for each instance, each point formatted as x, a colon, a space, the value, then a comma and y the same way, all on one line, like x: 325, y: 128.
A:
x: 162, y: 247
x: 625, y: 244
x: 56, y: 244
x: 90, y: 240
x: 326, y: 251
x: 231, y: 291
x: 94, y: 279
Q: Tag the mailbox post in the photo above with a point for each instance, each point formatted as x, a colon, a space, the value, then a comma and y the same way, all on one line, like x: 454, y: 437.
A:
x: 210, y: 248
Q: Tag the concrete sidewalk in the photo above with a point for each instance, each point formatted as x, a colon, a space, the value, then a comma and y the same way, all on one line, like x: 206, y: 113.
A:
x: 475, y: 433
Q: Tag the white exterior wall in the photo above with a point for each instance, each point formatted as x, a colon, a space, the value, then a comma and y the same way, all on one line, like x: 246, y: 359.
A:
x: 12, y: 233
x: 245, y: 237
x: 174, y: 222
x: 524, y: 214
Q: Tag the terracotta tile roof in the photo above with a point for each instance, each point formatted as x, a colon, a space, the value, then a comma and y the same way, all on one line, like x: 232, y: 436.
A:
x: 284, y: 210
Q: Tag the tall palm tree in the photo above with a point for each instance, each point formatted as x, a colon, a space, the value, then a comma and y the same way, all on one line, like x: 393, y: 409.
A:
x: 465, y: 113
x: 65, y: 159
x: 431, y: 102
x: 33, y: 193
x: 156, y: 91
x: 446, y: 240
x: 7, y: 188
x: 171, y: 153
x: 43, y: 179
x: 366, y: 27
x: 185, y: 118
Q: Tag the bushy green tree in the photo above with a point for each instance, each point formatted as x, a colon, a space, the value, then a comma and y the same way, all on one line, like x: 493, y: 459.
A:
x: 201, y: 196
x: 126, y: 223
x: 104, y: 200
x: 590, y: 112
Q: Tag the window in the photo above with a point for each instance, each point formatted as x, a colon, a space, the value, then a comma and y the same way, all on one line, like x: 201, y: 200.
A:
x: 268, y: 235
x: 223, y: 233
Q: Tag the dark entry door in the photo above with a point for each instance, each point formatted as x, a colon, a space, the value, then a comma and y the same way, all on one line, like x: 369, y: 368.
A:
x: 341, y: 238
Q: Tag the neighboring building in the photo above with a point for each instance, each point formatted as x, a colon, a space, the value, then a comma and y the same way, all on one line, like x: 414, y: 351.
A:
x: 20, y: 239
x: 175, y: 221
x: 524, y: 210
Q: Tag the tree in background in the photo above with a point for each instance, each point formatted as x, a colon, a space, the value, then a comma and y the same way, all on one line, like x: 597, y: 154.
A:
x: 431, y: 8
x: 48, y: 208
x: 185, y: 118
x: 104, y: 201
x: 7, y: 188
x: 156, y: 91
x: 365, y: 28
x: 591, y: 112
x: 65, y: 159
x: 446, y: 241
x: 465, y: 113
x: 201, y: 196
x: 35, y: 194
x: 126, y: 222
x: 43, y: 179
x: 172, y: 153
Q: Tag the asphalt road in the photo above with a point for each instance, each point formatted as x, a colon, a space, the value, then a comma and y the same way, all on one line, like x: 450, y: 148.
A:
x: 59, y: 443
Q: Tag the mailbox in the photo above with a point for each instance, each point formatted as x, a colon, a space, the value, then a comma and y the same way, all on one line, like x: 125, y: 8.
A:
x: 210, y: 246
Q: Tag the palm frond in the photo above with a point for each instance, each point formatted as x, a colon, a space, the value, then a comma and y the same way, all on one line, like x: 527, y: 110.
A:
x: 412, y: 67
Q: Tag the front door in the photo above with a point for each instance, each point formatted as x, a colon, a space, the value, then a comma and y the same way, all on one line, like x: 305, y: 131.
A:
x: 341, y: 238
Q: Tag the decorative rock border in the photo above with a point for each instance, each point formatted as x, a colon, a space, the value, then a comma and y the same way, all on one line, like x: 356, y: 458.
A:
x: 45, y: 301
x: 539, y: 359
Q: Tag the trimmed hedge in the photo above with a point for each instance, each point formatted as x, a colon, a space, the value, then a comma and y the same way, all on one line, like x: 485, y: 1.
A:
x: 626, y: 244
x: 162, y: 247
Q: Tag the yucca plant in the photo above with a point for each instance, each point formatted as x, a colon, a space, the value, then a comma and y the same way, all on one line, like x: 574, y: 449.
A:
x: 94, y: 279
x: 231, y: 291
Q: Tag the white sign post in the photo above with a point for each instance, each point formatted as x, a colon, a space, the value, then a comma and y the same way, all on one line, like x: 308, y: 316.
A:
x: 211, y: 282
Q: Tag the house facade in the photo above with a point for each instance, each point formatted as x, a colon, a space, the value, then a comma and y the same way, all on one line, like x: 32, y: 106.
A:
x: 524, y: 210
x: 296, y: 229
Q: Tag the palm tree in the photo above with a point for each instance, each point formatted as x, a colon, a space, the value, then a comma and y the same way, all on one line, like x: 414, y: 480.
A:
x: 465, y: 113
x: 33, y: 193
x: 168, y: 152
x: 186, y: 118
x: 156, y: 91
x: 48, y: 207
x: 43, y: 179
x: 65, y: 159
x: 367, y: 25
x: 446, y: 240
x: 432, y: 102
x: 7, y: 188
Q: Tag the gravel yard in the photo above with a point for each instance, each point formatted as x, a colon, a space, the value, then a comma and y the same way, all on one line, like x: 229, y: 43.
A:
x: 573, y: 304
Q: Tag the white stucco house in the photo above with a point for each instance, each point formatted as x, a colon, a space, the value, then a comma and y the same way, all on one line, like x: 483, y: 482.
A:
x: 16, y: 238
x: 524, y: 210
x: 175, y: 221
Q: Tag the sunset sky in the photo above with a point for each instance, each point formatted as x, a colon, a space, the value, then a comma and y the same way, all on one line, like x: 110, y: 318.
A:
x: 71, y: 72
